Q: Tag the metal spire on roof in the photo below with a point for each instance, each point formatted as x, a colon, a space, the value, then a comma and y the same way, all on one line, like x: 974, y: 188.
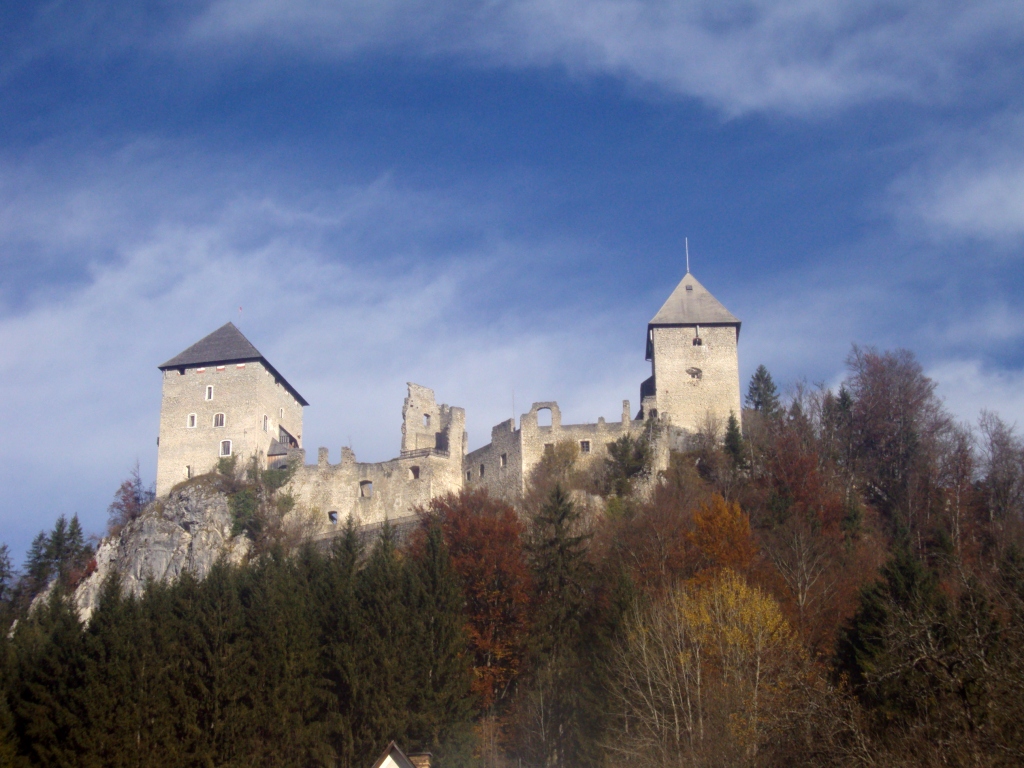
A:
x: 687, y: 241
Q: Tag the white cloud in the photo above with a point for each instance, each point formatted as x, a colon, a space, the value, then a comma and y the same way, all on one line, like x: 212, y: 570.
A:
x: 334, y: 292
x: 741, y: 55
x: 969, y: 387
x: 971, y: 185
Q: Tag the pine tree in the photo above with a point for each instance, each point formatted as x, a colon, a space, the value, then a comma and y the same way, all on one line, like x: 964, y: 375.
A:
x: 734, y: 441
x: 762, y: 395
x: 38, y: 566
x: 441, y: 697
x: 551, y: 713
x: 385, y: 677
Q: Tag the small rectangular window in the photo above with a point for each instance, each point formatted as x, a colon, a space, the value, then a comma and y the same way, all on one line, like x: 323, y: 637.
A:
x: 469, y: 475
x: 225, y: 447
x: 366, y: 489
x: 191, y: 420
x: 209, y: 392
x: 584, y: 446
x: 549, y: 447
x: 218, y: 420
x: 188, y: 472
x: 414, y: 473
x: 504, y: 459
x: 266, y: 423
x: 481, y: 470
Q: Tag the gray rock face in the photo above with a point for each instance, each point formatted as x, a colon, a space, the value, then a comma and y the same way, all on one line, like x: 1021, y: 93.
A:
x: 188, y: 531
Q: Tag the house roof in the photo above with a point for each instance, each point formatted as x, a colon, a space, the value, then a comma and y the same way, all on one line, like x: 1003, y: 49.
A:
x: 226, y: 345
x: 692, y: 304
x: 397, y: 757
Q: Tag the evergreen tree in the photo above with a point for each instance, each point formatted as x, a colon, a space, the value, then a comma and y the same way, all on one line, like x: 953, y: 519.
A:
x: 386, y: 682
x: 6, y: 574
x: 38, y: 567
x: 865, y: 651
x: 762, y: 395
x: 734, y: 441
x: 551, y: 711
x: 50, y: 717
x: 441, y: 696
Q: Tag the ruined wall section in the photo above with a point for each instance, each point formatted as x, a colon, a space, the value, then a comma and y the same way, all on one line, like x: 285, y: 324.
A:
x: 694, y: 381
x: 254, y: 404
x: 504, y: 465
x: 497, y: 466
x: 369, y: 493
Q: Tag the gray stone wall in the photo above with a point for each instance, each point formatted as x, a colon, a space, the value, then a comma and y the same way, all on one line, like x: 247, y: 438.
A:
x: 245, y: 393
x: 695, y: 382
x: 369, y: 493
x: 524, y: 448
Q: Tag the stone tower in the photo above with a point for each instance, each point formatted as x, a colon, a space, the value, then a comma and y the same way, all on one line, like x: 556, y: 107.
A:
x: 221, y: 398
x: 692, y: 345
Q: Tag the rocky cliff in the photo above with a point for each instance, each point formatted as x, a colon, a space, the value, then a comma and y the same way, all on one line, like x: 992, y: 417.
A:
x: 187, y: 531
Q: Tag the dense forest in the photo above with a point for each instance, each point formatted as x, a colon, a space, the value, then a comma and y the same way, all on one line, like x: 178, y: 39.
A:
x: 838, y: 582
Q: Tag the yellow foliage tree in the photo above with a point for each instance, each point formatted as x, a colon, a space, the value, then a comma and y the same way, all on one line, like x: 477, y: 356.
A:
x: 697, y: 670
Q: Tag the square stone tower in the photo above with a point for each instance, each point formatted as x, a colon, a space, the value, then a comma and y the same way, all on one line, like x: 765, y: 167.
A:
x: 221, y: 398
x: 692, y: 345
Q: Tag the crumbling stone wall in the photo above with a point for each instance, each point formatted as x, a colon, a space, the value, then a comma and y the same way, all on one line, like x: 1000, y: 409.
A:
x: 504, y: 465
x: 369, y: 493
x: 246, y: 393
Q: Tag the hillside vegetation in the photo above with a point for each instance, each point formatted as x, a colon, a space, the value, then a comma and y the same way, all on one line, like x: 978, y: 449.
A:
x: 840, y: 582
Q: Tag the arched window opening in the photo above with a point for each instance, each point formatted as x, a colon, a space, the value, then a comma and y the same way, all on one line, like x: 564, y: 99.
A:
x: 697, y: 341
x: 218, y: 419
x: 365, y: 489
x: 333, y: 517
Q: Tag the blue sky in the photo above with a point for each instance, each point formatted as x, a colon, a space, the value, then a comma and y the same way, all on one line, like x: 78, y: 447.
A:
x: 490, y: 199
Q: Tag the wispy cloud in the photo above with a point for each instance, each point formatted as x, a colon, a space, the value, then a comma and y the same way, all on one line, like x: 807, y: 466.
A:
x: 791, y: 56
x: 971, y: 186
x: 787, y: 55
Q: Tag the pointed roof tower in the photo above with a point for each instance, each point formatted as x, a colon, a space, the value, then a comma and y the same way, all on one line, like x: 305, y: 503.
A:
x: 223, y: 346
x: 691, y: 304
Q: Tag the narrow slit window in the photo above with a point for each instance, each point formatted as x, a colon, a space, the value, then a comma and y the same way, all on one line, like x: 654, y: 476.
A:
x: 209, y: 392
x: 469, y: 474
x: 266, y: 423
x: 504, y: 459
x: 218, y: 419
x: 481, y: 470
x: 191, y: 420
x: 225, y: 447
x: 188, y: 472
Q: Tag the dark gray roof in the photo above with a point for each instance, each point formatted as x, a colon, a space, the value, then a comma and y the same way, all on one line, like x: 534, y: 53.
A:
x: 692, y: 304
x: 225, y: 345
x: 277, y: 448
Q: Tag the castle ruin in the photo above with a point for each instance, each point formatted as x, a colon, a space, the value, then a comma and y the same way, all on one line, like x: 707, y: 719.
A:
x: 222, y: 398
